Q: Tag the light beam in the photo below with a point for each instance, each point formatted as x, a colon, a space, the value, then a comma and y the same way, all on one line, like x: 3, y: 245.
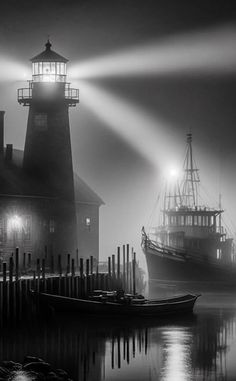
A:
x: 147, y: 135
x: 208, y: 51
x: 11, y: 71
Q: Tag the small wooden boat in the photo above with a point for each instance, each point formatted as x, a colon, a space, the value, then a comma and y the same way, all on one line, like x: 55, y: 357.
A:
x: 127, y: 305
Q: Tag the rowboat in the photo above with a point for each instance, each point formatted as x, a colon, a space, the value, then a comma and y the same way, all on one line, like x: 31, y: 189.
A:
x: 128, y: 305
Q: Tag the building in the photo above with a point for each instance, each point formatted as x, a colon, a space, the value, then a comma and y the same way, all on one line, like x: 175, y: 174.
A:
x: 45, y: 208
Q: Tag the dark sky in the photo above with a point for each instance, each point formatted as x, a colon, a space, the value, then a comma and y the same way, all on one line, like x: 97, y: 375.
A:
x: 202, y: 101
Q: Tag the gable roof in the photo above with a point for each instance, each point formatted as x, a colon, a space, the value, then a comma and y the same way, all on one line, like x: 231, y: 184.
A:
x: 15, y: 182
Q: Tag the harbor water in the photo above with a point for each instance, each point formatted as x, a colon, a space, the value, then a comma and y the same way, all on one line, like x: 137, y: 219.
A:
x: 201, y: 346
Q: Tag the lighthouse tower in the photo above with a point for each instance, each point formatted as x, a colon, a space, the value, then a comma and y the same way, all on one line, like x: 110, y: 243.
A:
x: 47, y: 157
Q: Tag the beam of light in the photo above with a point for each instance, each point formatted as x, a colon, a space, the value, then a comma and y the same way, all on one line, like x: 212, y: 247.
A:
x: 11, y: 71
x: 207, y: 51
x: 145, y: 134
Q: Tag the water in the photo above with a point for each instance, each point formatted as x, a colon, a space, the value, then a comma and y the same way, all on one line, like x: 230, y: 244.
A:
x: 198, y: 347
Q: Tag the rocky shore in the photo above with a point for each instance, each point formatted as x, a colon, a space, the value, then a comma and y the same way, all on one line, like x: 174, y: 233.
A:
x: 31, y: 369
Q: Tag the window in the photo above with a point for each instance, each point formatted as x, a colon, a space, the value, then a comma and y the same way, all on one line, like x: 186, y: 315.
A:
x: 27, y: 228
x: 41, y: 121
x: 88, y: 222
x: 52, y: 226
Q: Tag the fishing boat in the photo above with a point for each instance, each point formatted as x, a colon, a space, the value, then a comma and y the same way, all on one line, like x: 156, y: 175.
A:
x: 189, y: 248
x: 110, y: 304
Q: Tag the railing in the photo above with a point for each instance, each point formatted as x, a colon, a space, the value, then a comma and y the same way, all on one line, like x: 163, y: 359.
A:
x: 27, y: 94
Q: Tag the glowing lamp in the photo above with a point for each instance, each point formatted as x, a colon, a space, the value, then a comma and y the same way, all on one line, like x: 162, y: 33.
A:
x: 174, y: 172
x: 15, y: 223
x: 49, y: 66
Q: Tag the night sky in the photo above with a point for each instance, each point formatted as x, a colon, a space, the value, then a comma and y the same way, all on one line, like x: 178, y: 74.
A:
x: 148, y: 73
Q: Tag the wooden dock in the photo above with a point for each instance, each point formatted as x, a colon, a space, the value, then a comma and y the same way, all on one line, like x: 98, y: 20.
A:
x: 78, y: 279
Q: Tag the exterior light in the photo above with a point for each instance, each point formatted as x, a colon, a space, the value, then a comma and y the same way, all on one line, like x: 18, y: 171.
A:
x: 49, y: 66
x: 88, y: 222
x: 15, y: 223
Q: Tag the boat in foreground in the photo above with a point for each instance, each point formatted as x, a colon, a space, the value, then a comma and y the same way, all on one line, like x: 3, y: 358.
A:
x: 129, y: 305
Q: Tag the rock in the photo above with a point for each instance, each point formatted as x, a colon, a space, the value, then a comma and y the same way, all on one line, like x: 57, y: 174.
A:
x: 62, y: 373
x: 11, y: 365
x: 4, y: 372
x: 38, y: 366
x: 52, y: 376
x: 29, y: 359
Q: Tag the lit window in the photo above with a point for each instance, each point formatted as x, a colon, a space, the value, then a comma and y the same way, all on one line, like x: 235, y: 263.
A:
x: 88, y: 221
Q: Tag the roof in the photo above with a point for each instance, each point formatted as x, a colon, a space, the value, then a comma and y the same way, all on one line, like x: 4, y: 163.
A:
x: 48, y: 55
x: 15, y: 182
x: 84, y: 194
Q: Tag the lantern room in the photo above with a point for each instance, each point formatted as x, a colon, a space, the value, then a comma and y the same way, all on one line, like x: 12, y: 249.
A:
x: 49, y: 66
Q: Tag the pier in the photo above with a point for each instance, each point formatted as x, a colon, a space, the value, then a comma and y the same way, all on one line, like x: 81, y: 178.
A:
x: 77, y: 280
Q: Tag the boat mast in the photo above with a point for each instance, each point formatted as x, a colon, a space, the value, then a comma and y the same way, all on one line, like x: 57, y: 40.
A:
x: 220, y: 217
x: 191, y: 177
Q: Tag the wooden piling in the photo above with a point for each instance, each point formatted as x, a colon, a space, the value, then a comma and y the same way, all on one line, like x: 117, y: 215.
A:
x: 87, y: 288
x: 38, y: 268
x: 29, y: 260
x: 124, y: 278
x: 113, y: 265
x: 4, y: 271
x: 118, y: 262
x: 134, y: 273
x: 43, y: 270
x: 17, y: 263
x: 91, y: 264
x: 81, y: 267
x: 77, y: 259
x: 68, y: 264
x: 127, y: 266
x: 73, y: 267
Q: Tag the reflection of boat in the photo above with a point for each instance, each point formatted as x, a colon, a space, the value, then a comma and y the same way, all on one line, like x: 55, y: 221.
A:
x: 128, y: 306
x: 190, y: 244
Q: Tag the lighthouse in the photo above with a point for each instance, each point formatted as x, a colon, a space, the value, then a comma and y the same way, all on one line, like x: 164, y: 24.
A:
x: 47, y: 153
x: 46, y: 209
x: 47, y: 159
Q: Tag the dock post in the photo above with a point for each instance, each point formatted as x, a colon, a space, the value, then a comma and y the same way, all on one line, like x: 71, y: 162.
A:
x: 109, y: 274
x: 68, y: 264
x: 118, y: 262
x: 127, y: 266
x: 59, y: 265
x: 134, y: 273
x: 77, y: 259
x: 87, y: 277
x: 81, y: 267
x: 17, y: 263
x: 124, y: 277
x: 29, y: 260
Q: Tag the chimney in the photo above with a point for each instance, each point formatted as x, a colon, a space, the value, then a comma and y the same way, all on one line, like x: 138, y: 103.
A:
x: 8, y: 155
x: 1, y: 133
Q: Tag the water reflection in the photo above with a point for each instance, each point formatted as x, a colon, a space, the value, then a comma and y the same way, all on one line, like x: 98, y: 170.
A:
x: 200, y: 347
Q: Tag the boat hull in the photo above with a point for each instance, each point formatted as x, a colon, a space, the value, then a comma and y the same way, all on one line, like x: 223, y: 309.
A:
x: 163, y: 307
x: 187, y: 273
